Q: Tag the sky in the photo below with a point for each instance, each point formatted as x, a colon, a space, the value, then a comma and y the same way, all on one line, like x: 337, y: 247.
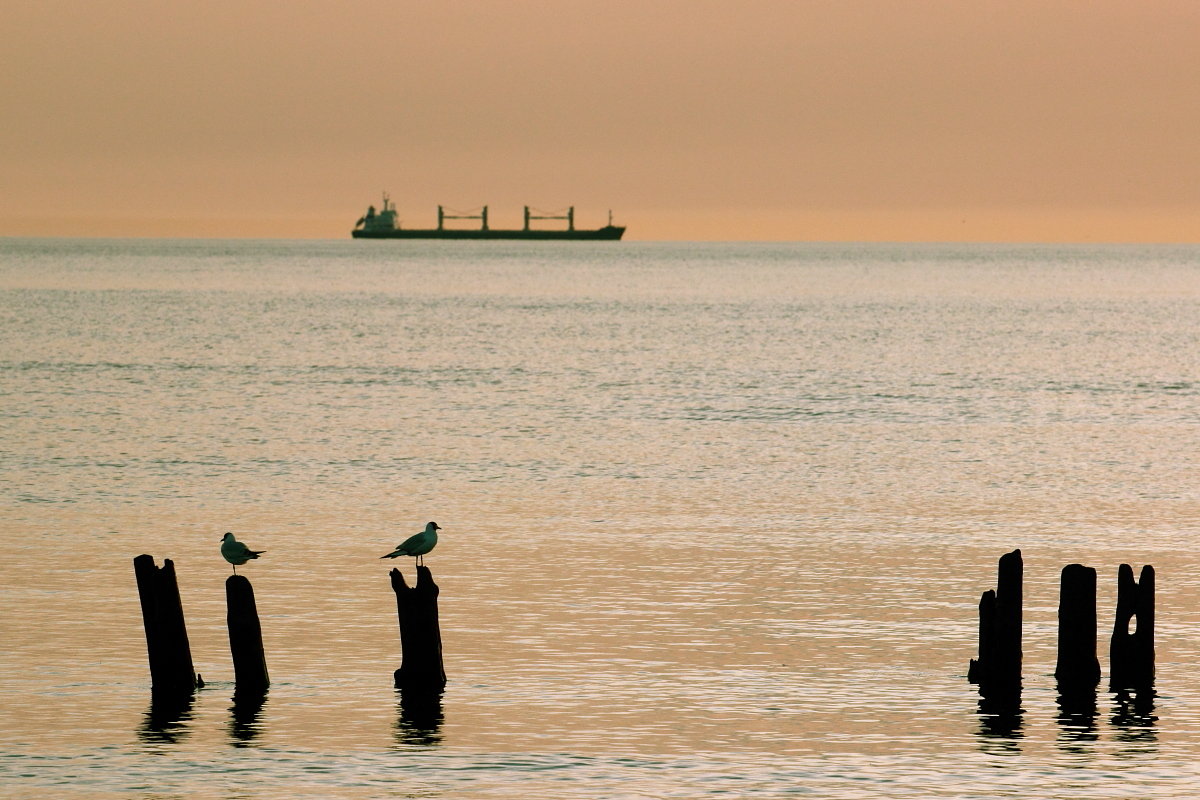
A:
x: 861, y: 120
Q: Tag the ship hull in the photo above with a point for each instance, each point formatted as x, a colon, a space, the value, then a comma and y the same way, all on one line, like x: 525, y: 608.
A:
x: 607, y: 233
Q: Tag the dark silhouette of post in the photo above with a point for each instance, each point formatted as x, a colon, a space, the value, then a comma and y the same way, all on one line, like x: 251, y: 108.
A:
x: 245, y: 636
x: 1078, y: 669
x: 421, y: 669
x: 987, y: 625
x: 167, y: 645
x: 1131, y: 655
x: 998, y: 669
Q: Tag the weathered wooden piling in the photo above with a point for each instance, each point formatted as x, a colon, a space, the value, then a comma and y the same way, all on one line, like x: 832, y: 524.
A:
x: 245, y: 635
x: 987, y: 619
x: 998, y: 669
x: 1078, y: 669
x: 170, y: 655
x: 421, y: 669
x: 1131, y: 655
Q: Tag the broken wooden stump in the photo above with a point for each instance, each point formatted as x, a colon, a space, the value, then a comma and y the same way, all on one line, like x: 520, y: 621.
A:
x: 998, y: 669
x: 245, y: 635
x: 167, y: 646
x: 421, y: 670
x: 1131, y: 655
x: 1078, y: 669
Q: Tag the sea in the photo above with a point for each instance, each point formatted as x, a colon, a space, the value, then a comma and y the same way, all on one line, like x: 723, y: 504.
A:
x: 716, y: 517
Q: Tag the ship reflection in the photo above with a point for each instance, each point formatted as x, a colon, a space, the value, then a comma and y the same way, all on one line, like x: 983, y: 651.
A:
x: 243, y: 716
x: 167, y: 720
x: 420, y: 720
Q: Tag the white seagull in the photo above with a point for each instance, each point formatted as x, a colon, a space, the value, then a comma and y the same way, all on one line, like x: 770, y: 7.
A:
x: 418, y: 544
x: 235, y: 552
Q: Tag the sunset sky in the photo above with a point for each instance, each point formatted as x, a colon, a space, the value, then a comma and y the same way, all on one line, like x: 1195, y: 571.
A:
x: 904, y: 120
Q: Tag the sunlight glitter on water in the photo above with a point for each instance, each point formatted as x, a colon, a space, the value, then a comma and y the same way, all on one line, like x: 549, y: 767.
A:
x: 716, y: 518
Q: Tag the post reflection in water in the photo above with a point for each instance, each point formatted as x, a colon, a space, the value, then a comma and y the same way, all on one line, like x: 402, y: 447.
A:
x: 1000, y: 721
x: 166, y: 721
x: 1077, y: 713
x: 419, y: 723
x: 1134, y: 720
x: 243, y: 715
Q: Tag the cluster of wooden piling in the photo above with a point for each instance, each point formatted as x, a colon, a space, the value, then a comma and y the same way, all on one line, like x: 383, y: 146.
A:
x: 1131, y: 655
x: 171, y: 671
x: 997, y: 671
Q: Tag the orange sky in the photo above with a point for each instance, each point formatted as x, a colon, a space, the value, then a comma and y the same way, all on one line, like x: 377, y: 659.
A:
x: 808, y: 120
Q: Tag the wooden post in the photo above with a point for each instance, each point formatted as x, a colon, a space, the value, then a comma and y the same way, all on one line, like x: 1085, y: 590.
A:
x: 1131, y: 655
x: 987, y: 645
x: 421, y: 669
x: 167, y: 645
x: 245, y: 635
x: 998, y: 670
x: 1078, y: 669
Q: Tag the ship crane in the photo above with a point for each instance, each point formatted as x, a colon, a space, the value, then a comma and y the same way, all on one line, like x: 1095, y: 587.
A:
x: 569, y: 217
x: 443, y: 216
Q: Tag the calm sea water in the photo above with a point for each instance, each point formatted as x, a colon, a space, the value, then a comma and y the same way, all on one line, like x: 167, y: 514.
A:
x: 716, y: 517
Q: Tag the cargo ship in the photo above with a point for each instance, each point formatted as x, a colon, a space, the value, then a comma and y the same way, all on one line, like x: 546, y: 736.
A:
x: 382, y: 224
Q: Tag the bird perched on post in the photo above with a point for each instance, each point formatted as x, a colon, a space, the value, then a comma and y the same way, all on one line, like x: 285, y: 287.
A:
x: 417, y: 545
x: 237, y: 553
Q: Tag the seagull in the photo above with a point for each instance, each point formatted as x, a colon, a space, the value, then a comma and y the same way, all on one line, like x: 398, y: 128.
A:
x: 417, y: 545
x: 235, y: 552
